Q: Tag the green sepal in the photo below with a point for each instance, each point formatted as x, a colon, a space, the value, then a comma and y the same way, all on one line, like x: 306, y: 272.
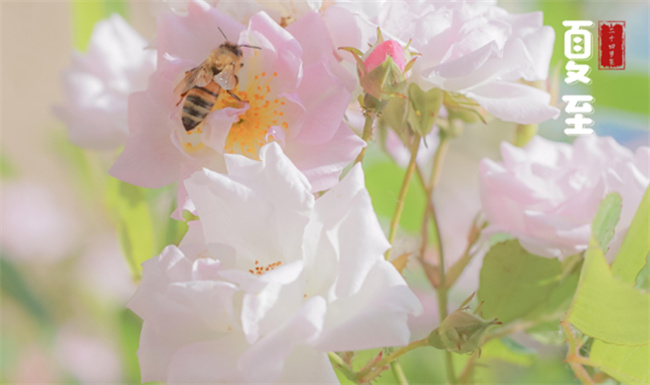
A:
x: 423, y: 108
x: 385, y: 81
x: 394, y: 115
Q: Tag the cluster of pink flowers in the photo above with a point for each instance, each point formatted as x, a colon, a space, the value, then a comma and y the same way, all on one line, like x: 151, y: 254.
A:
x: 286, y: 261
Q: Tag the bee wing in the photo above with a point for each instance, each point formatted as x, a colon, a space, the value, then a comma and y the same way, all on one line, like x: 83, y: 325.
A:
x: 196, y: 77
x: 226, y: 78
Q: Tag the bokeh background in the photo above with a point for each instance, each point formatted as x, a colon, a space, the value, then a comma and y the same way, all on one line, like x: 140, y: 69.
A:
x: 64, y: 280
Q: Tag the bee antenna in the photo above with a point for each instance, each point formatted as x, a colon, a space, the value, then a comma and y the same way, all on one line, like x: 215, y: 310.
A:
x: 224, y: 35
x: 250, y: 46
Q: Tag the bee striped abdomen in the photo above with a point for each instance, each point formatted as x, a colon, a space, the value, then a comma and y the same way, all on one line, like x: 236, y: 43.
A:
x: 198, y: 104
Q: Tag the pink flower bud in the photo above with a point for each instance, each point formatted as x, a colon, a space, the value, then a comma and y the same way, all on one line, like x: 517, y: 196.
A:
x: 378, y: 55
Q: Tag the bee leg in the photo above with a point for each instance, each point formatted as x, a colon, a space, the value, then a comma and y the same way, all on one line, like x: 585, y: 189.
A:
x: 237, y: 98
x: 181, y: 99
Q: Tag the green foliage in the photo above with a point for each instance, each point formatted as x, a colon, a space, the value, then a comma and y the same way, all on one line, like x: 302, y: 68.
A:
x: 559, y: 299
x: 86, y: 13
x: 7, y: 168
x: 513, y: 281
x: 643, y: 279
x: 611, y: 89
x: 383, y: 180
x: 129, y: 206
x: 606, y: 219
x: 423, y: 108
x: 628, y: 364
x: 606, y: 308
x: 508, y: 350
x: 14, y: 285
x: 130, y: 326
x: 632, y: 256
x: 394, y: 115
x: 461, y: 331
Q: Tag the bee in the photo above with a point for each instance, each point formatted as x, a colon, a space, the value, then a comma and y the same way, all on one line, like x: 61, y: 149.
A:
x: 203, y: 84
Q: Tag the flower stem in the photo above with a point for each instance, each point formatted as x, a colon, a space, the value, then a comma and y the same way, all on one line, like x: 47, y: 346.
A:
x: 402, y: 194
x: 573, y: 357
x: 337, y: 361
x: 367, y: 134
x: 390, y: 358
x: 473, y: 237
x: 399, y: 373
x: 430, y: 212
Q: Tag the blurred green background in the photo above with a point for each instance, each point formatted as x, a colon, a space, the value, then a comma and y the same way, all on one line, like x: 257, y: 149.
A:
x: 64, y: 280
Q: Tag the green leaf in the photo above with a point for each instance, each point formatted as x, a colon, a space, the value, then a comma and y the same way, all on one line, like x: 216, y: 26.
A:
x: 7, y: 168
x: 86, y: 13
x: 547, y: 333
x: 129, y: 206
x: 627, y: 364
x: 507, y: 350
x: 130, y: 327
x: 513, y: 281
x: 13, y: 284
x: 84, y: 16
x: 383, y: 180
x: 632, y: 255
x: 117, y: 6
x: 559, y: 299
x: 423, y: 108
x: 604, y: 223
x: 643, y: 279
x: 606, y: 308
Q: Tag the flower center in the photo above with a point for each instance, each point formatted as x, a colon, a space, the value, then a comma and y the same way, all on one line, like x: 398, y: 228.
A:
x: 261, y: 269
x: 265, y: 111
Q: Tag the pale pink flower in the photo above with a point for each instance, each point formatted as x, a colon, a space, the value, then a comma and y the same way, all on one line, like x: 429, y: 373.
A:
x: 98, y: 83
x: 288, y: 11
x: 270, y: 280
x: 473, y: 48
x: 36, y: 224
x: 243, y: 10
x: 294, y: 98
x: 103, y: 269
x: 547, y: 193
x: 32, y: 365
x: 88, y: 358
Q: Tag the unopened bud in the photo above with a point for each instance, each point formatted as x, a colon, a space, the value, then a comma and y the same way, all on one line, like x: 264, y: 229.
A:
x: 382, y: 70
x: 461, y: 331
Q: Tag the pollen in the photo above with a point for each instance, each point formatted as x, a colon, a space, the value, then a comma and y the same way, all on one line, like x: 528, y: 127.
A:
x: 261, y: 269
x: 265, y: 110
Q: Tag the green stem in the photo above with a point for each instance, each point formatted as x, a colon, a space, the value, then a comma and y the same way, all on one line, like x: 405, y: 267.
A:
x: 573, y: 357
x: 399, y: 373
x: 337, y: 361
x: 429, y: 211
x: 367, y: 134
x: 442, y: 287
x: 402, y: 193
x: 457, y: 268
x: 467, y: 372
x: 392, y: 357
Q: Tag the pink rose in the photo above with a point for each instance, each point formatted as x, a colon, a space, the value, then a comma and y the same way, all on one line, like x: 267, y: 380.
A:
x: 547, y: 193
x: 294, y: 97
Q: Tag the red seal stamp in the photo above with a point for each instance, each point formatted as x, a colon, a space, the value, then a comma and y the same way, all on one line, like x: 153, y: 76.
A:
x: 611, y: 45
